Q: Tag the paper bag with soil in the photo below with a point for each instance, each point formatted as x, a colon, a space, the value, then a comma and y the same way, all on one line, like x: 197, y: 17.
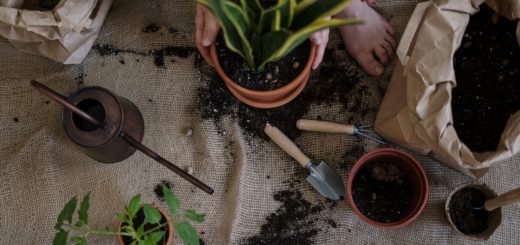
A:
x: 417, y: 109
x: 63, y: 31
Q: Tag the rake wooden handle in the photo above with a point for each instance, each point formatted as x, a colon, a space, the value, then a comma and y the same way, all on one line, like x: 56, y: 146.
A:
x: 502, y: 200
x: 286, y: 144
x: 324, y: 127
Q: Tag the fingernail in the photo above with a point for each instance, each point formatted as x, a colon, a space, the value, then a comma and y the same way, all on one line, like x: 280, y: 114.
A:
x: 317, y: 40
x: 379, y: 70
x: 206, y: 42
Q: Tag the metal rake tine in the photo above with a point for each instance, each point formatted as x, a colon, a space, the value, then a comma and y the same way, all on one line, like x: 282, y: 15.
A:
x: 371, y: 137
x: 364, y: 127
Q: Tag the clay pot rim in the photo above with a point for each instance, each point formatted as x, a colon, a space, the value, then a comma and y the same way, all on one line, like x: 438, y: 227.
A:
x: 269, y: 105
x: 259, y: 93
x: 164, y: 214
x: 416, y: 212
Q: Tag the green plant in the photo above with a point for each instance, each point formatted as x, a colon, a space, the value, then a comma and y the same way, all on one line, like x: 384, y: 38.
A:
x: 261, y: 35
x: 140, y: 236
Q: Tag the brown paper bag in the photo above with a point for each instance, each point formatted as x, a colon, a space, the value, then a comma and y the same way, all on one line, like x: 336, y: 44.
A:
x: 416, y: 110
x: 64, y: 34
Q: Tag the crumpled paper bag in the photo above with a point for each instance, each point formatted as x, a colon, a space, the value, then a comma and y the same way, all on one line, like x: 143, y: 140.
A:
x: 64, y: 34
x: 416, y: 110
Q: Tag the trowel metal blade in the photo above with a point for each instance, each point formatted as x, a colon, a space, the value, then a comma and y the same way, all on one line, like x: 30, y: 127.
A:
x: 326, y: 181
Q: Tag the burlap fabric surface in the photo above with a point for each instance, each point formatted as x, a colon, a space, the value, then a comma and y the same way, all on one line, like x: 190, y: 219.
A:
x: 41, y: 169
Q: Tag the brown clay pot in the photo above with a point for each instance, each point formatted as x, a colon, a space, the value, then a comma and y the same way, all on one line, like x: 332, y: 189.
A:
x: 165, y: 215
x: 412, y: 169
x: 266, y: 99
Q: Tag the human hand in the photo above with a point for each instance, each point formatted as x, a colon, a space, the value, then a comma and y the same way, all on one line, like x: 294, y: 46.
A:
x: 207, y: 28
x: 320, y: 39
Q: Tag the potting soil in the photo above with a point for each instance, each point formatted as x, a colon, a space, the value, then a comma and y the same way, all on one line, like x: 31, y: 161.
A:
x: 463, y: 213
x: 382, y: 192
x: 276, y: 74
x: 487, y: 67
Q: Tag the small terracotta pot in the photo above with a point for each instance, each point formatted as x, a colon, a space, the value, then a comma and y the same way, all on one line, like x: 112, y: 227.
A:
x: 495, y: 216
x: 412, y: 169
x: 170, y: 227
x: 266, y: 99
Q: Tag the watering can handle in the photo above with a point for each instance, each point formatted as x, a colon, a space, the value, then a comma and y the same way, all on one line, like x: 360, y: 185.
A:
x: 286, y: 144
x: 502, y: 200
x: 324, y: 127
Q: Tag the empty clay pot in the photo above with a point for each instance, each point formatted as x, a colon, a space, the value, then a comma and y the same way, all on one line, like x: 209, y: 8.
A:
x: 265, y: 99
x: 411, y: 168
x: 494, y: 218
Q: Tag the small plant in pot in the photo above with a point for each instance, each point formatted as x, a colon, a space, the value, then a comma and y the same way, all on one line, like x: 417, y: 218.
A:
x: 266, y: 59
x: 141, y: 224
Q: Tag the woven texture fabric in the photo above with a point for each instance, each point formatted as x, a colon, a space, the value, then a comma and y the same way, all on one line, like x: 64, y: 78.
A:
x: 41, y: 169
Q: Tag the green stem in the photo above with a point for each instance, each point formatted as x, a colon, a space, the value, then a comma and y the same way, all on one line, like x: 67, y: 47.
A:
x: 154, y: 229
x: 88, y: 231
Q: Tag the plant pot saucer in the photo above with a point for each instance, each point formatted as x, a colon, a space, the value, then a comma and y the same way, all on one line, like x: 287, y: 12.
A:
x: 265, y: 99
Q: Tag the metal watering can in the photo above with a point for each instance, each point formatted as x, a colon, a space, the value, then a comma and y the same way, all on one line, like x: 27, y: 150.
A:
x: 107, y: 127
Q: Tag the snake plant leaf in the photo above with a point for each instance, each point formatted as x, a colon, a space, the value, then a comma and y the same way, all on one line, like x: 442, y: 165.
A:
x: 303, y: 4
x: 270, y: 43
x: 261, y: 35
x: 253, y: 10
x: 237, y: 17
x: 316, y: 11
x: 287, y: 10
x: 297, y: 38
x: 231, y: 36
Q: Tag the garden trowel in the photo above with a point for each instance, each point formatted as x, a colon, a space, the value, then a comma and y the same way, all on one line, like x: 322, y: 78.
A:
x: 321, y: 177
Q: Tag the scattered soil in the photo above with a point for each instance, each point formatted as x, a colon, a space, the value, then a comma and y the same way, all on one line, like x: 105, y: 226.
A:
x: 382, y: 192
x: 158, y: 189
x: 275, y: 75
x: 462, y: 213
x: 157, y: 54
x: 487, y: 67
x: 151, y: 28
x: 138, y: 220
x: 335, y: 82
x: 332, y: 223
x: 107, y: 49
x: 173, y: 31
x: 291, y: 223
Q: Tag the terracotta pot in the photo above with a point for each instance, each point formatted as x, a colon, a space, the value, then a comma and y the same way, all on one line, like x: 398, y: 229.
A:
x: 412, y: 169
x: 266, y: 99
x: 170, y: 227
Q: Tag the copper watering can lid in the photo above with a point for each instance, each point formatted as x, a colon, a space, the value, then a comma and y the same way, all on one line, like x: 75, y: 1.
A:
x: 129, y: 139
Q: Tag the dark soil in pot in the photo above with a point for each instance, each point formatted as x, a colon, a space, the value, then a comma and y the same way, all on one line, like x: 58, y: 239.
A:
x: 382, y: 192
x: 275, y: 75
x: 138, y: 220
x: 487, y: 67
x: 462, y: 212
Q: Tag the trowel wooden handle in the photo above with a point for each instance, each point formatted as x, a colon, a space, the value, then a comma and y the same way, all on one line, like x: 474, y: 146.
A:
x: 286, y: 144
x: 325, y: 127
x: 502, y: 200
